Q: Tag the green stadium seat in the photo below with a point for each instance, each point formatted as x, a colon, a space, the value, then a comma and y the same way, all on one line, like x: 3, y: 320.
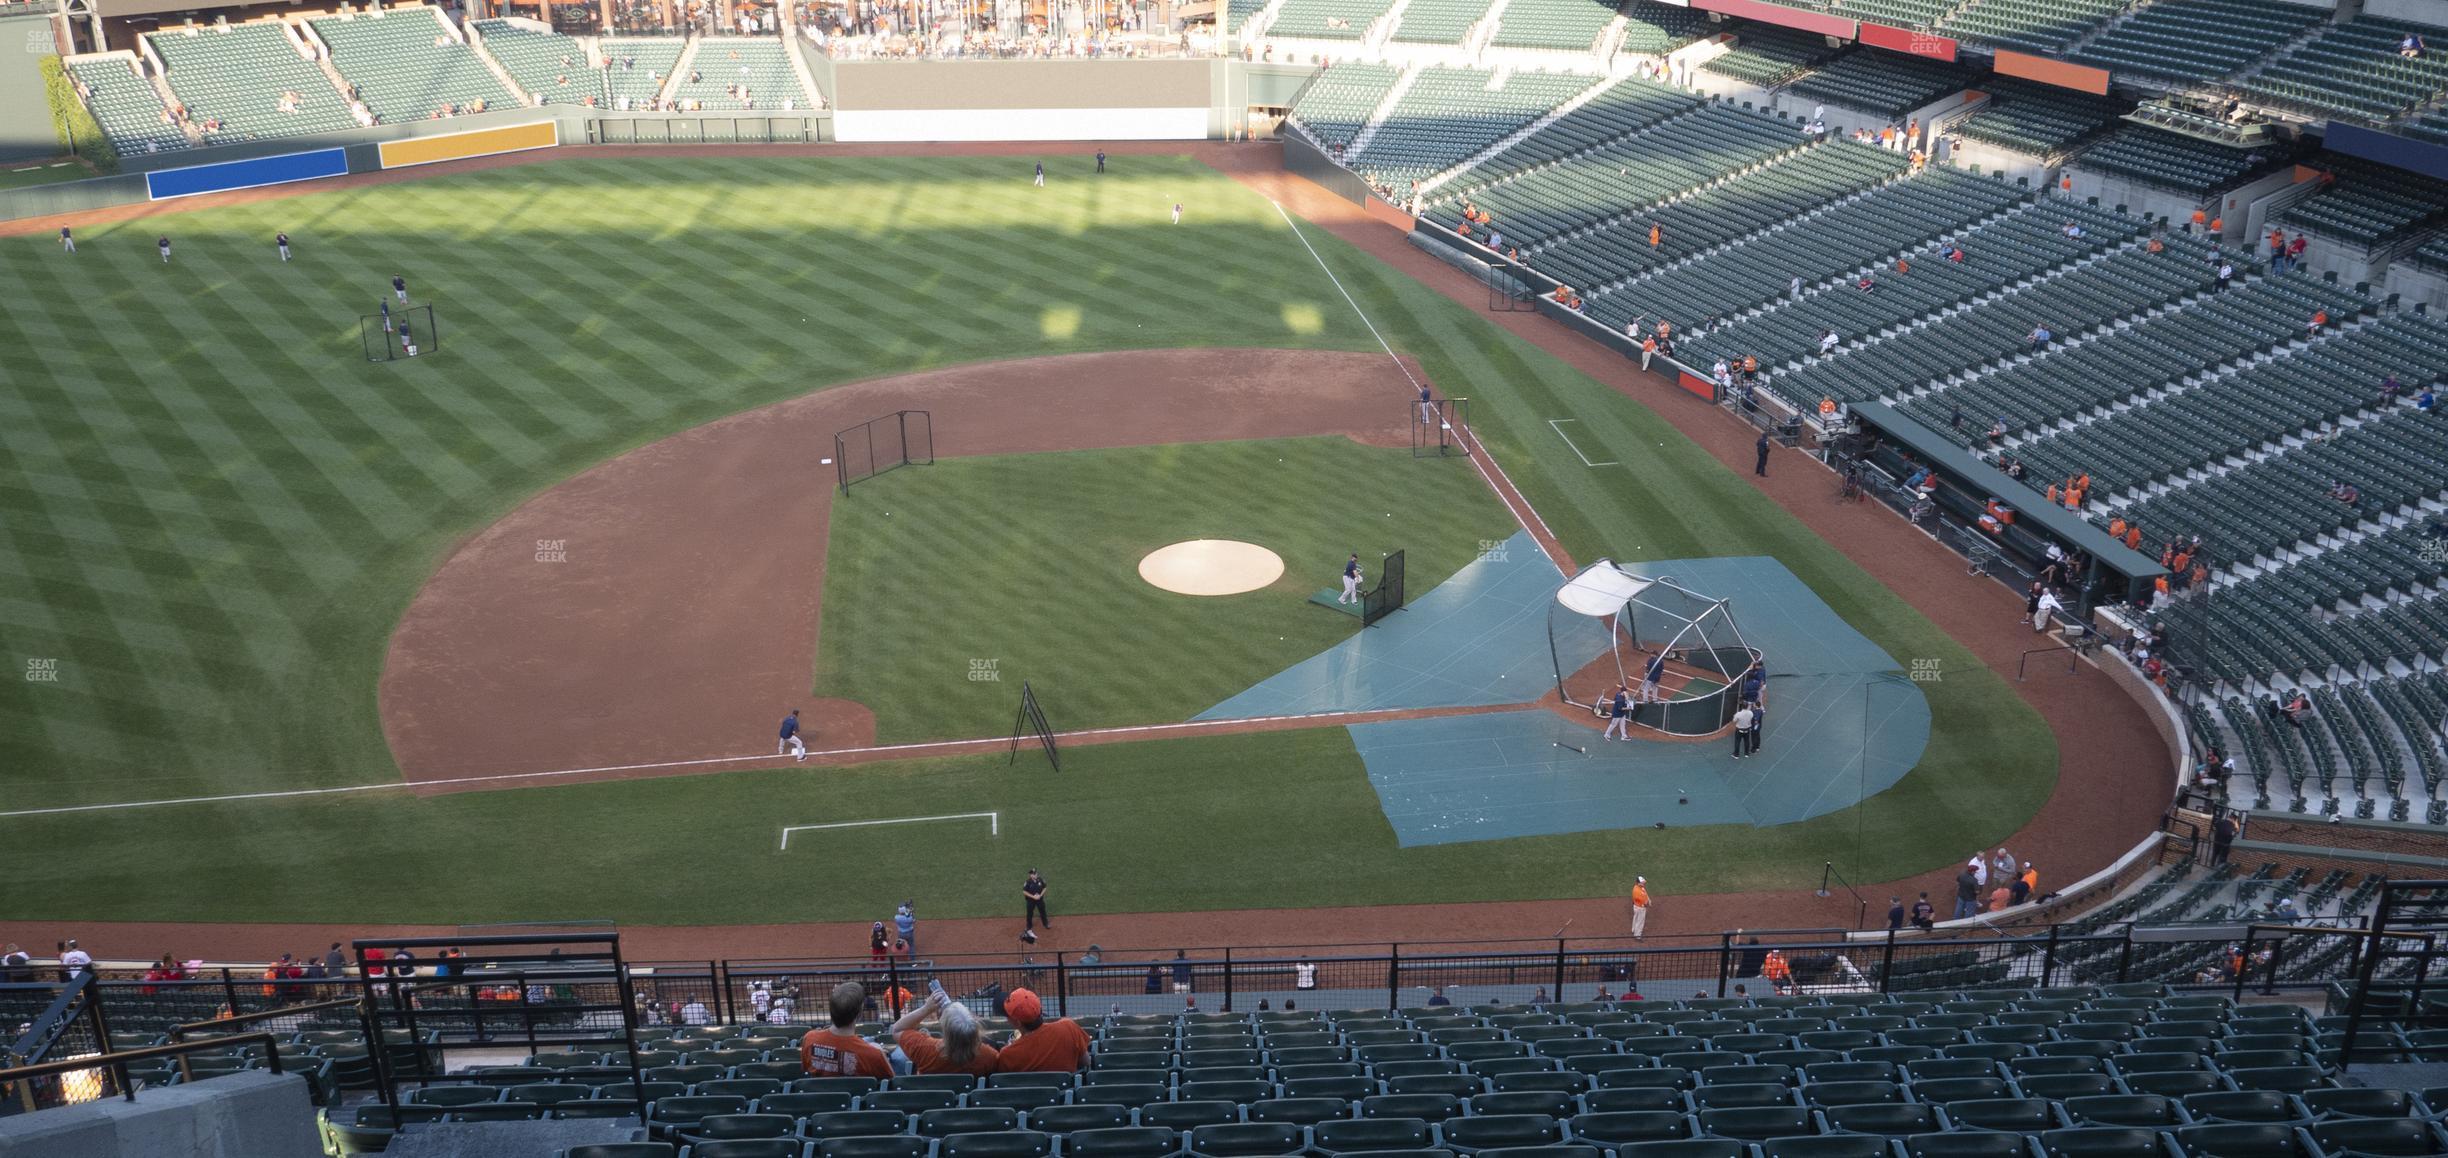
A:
x: 1758, y: 1123
x: 1125, y: 1142
x: 2240, y: 1140
x: 1237, y: 1139
x: 1370, y: 1134
x: 874, y: 1146
x: 996, y: 1144
x: 1829, y: 1146
x: 1189, y: 1115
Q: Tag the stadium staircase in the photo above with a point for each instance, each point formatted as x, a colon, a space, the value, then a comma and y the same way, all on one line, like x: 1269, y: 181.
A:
x: 1429, y: 185
x: 1254, y: 29
x: 1377, y: 116
x: 1636, y: 212
x: 1381, y: 30
x: 311, y: 46
x: 1804, y: 221
x: 1482, y: 31
x: 475, y: 44
x: 680, y: 68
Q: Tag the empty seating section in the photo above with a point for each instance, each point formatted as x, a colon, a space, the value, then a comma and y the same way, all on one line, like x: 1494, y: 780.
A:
x: 551, y: 67
x: 2283, y: 498
x: 1758, y: 200
x: 2167, y: 159
x: 2085, y: 377
x: 2039, y: 119
x: 130, y: 112
x: 2075, y: 1071
x: 1449, y: 114
x: 2029, y: 25
x: 1768, y: 56
x: 726, y: 67
x: 1438, y: 21
x: 2230, y: 413
x: 1900, y: 215
x: 2369, y: 203
x: 1624, y: 175
x: 640, y: 67
x: 1660, y: 28
x: 1327, y: 19
x: 1998, y: 325
x: 1768, y: 196
x: 1881, y: 82
x: 1899, y: 13
x: 406, y: 68
x: 1564, y: 25
x: 2353, y: 70
x: 2432, y: 127
x: 1238, y: 12
x: 2014, y: 247
x: 2198, y: 40
x: 1627, y: 106
x: 236, y: 73
x: 1339, y: 101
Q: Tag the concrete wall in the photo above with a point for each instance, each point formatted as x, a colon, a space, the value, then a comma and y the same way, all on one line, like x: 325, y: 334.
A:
x: 1023, y: 100
x: 2430, y: 12
x: 25, y: 112
x: 243, y: 1115
x: 2415, y: 285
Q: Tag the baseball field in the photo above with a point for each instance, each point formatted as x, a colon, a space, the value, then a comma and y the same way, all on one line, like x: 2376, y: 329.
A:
x: 232, y: 546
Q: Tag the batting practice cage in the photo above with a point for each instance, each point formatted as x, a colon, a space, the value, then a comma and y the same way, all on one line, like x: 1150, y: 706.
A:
x: 407, y: 332
x: 1626, y: 620
x: 1436, y: 427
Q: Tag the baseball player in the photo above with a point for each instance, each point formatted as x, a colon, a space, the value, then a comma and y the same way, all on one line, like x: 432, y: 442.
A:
x: 1041, y: 174
x: 386, y: 312
x: 1351, y: 580
x: 1649, y: 678
x: 1427, y: 405
x: 408, y: 341
x: 164, y: 246
x: 67, y: 240
x: 1619, y: 722
x: 791, y: 741
x: 282, y: 241
x: 1177, y: 213
x: 399, y: 286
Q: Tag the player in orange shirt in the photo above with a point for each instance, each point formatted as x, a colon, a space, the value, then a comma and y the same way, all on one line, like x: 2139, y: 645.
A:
x: 838, y: 1051
x: 1057, y: 1046
x: 958, y: 1052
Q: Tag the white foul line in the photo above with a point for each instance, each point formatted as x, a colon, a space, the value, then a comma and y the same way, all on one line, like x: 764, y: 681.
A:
x: 1191, y: 726
x: 1481, y: 460
x: 1558, y: 424
x: 994, y: 824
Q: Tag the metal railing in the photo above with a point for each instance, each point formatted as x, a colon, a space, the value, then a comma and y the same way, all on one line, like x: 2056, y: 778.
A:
x: 24, y: 1084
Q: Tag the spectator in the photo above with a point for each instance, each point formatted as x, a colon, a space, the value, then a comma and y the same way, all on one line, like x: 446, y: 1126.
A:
x: 836, y: 1050
x: 905, y: 923
x: 2411, y: 47
x: 1058, y: 1046
x: 1827, y: 342
x: 2027, y: 884
x: 1155, y: 979
x: 2222, y: 834
x: 1924, y: 914
x: 2426, y: 400
x: 2072, y: 230
x: 1999, y: 898
x: 1895, y: 913
x: 2346, y: 493
x: 2040, y: 337
x: 879, y: 944
x: 1967, y: 892
x: 73, y: 960
x: 958, y: 1052
x: 694, y: 1013
x: 1181, y: 971
x: 2320, y: 321
x: 1304, y: 976
x: 1436, y: 997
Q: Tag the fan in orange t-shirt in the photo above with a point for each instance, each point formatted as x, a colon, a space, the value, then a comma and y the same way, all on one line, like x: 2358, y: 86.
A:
x: 1057, y: 1046
x: 839, y: 1051
x: 958, y: 1052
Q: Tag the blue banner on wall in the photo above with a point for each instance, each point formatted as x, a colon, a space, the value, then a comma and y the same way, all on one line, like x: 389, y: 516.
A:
x: 252, y: 173
x: 2422, y: 157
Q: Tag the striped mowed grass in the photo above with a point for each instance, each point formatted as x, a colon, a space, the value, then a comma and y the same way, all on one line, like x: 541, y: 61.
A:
x: 212, y: 509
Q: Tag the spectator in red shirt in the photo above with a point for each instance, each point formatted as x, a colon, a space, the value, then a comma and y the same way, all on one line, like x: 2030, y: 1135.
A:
x: 1058, y: 1046
x: 838, y: 1051
x: 958, y: 1052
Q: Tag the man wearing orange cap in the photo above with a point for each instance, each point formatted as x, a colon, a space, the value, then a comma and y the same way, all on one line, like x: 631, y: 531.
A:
x: 1057, y: 1046
x: 839, y: 1051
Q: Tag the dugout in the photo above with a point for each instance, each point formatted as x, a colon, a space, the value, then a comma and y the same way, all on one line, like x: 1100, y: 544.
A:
x: 1966, y: 481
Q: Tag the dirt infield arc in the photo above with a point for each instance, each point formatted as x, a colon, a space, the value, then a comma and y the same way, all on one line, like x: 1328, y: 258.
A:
x: 664, y: 607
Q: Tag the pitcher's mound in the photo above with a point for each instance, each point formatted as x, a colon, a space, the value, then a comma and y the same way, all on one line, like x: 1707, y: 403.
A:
x: 1211, y: 567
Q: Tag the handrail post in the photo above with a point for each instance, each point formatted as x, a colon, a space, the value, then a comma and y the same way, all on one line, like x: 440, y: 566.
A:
x: 1825, y: 869
x: 1228, y: 979
x: 2125, y: 957
x: 892, y: 983
x: 2269, y: 983
x: 1557, y: 994
x: 1062, y: 984
x: 2048, y: 957
x: 1394, y: 975
x: 229, y: 992
x: 1887, y: 963
x: 1725, y: 960
x: 2244, y: 966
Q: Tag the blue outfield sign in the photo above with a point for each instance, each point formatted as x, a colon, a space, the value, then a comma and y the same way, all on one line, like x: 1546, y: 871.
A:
x: 253, y: 173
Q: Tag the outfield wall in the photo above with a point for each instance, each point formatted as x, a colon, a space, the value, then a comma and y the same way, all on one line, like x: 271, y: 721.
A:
x: 1025, y: 100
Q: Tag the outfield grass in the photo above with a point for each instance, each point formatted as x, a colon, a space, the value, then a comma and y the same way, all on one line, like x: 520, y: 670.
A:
x: 20, y: 176
x: 212, y: 512
x: 1029, y: 563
